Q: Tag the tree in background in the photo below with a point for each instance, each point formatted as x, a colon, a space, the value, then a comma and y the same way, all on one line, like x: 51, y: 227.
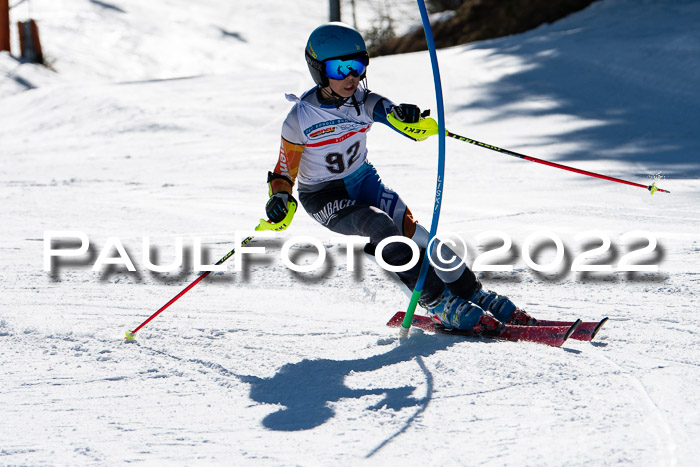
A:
x: 473, y: 20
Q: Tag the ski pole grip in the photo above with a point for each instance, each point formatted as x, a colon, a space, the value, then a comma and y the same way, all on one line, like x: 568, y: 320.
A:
x: 281, y: 225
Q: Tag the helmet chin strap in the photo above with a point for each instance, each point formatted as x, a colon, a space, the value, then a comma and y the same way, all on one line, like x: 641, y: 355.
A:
x: 340, y: 101
x: 356, y: 104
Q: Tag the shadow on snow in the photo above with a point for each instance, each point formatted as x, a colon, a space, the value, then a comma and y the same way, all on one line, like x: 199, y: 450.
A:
x: 634, y: 99
x: 306, y: 388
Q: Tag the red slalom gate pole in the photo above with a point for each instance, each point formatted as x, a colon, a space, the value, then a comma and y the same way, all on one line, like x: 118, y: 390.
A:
x: 652, y: 188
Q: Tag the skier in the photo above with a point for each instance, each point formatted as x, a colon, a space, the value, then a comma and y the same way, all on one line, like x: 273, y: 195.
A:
x: 323, y: 147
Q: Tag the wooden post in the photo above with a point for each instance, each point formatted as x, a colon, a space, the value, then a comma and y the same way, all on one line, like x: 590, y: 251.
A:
x: 5, y: 25
x: 29, y: 43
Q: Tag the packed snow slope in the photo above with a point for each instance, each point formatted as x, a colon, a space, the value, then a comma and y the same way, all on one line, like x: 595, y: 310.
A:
x: 160, y: 120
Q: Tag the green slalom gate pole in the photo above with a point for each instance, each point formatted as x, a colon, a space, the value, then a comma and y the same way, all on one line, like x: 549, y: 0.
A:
x: 406, y: 325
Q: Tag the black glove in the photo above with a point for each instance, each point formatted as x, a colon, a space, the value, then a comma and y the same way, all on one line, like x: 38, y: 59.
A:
x: 407, y: 113
x: 277, y: 206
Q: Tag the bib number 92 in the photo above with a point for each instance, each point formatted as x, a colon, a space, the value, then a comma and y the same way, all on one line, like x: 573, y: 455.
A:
x: 336, y: 161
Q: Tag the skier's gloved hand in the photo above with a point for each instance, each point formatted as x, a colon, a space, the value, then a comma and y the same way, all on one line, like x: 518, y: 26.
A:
x: 407, y: 113
x: 277, y: 206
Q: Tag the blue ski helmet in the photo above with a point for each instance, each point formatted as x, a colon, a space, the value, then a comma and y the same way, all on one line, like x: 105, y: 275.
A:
x: 332, y: 40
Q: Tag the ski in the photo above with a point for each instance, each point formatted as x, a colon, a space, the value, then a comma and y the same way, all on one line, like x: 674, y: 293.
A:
x: 585, y: 332
x: 548, y: 335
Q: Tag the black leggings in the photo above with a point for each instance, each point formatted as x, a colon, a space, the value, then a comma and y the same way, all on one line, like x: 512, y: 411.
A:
x: 334, y: 208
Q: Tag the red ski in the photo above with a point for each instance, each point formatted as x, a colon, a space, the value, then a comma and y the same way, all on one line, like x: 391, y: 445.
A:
x: 549, y: 335
x: 585, y: 332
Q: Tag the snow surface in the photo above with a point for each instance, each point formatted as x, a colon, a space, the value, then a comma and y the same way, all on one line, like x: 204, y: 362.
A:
x: 161, y: 120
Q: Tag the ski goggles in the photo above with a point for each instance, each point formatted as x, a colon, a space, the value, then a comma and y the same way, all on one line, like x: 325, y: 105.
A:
x: 339, y: 69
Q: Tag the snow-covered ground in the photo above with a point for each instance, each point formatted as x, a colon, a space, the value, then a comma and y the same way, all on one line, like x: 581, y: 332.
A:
x: 161, y: 121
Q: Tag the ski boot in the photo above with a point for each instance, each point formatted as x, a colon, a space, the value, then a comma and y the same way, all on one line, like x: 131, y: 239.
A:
x: 500, y: 306
x: 454, y: 312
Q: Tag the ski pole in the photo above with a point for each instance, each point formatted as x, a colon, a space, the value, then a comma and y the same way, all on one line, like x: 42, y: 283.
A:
x: 264, y: 225
x: 652, y: 188
x: 427, y: 127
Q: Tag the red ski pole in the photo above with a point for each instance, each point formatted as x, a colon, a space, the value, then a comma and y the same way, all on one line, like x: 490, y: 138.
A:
x: 652, y: 188
x: 264, y: 225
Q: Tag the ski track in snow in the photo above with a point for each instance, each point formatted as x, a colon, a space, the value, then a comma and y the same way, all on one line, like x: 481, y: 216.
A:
x: 161, y: 121
x: 667, y: 446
